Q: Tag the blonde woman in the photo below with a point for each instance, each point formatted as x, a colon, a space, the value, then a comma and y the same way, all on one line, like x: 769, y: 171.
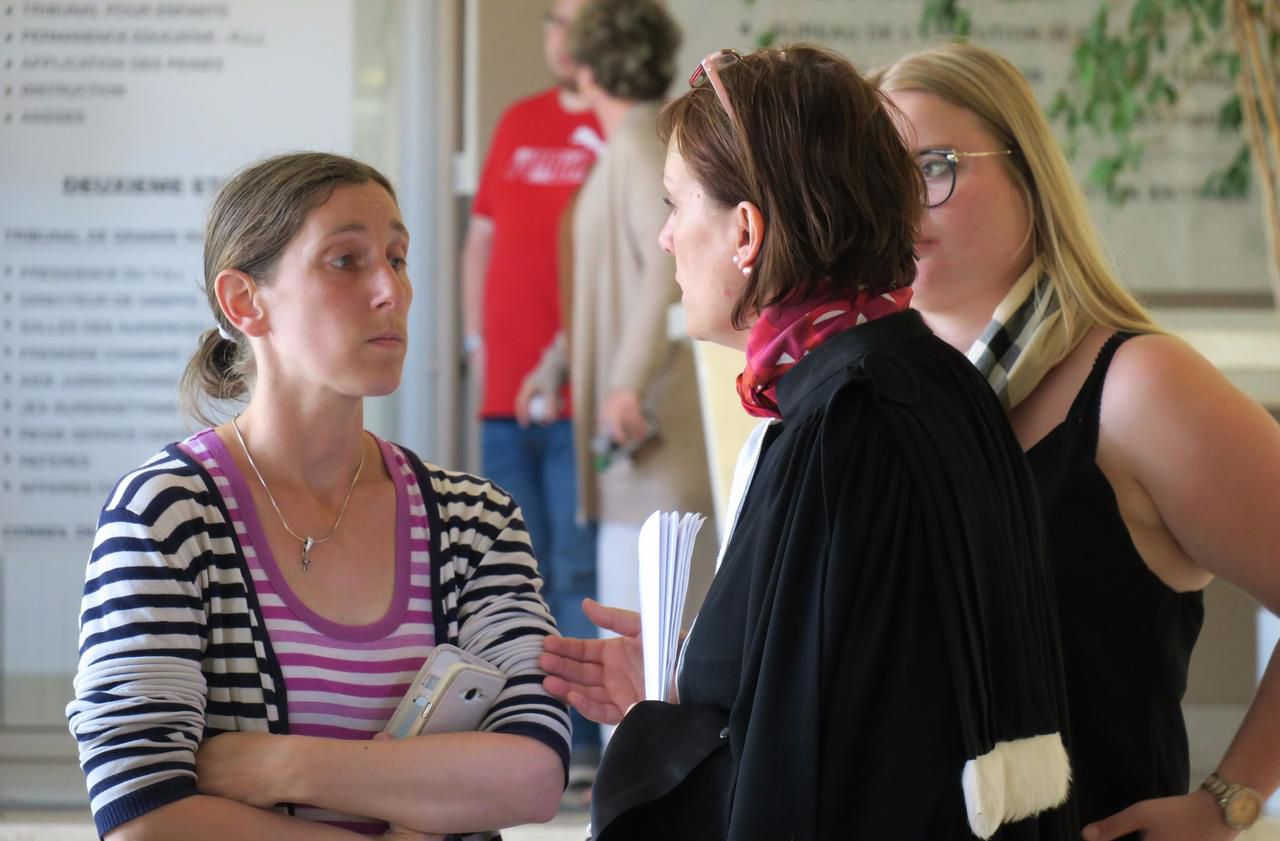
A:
x: 260, y: 595
x: 1155, y: 474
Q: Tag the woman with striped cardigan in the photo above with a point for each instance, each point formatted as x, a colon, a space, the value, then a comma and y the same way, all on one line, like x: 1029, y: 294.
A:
x: 260, y: 595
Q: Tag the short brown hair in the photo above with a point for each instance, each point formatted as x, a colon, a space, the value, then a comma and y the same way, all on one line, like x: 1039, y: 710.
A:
x: 254, y: 218
x: 818, y: 152
x: 628, y: 45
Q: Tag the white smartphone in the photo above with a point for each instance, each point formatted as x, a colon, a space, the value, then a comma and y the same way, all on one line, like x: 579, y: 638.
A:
x: 450, y: 694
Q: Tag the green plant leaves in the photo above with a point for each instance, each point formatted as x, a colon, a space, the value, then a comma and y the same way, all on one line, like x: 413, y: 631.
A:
x: 944, y: 17
x: 1123, y: 76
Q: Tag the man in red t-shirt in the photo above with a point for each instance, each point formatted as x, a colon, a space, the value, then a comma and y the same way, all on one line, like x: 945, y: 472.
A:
x: 542, y: 150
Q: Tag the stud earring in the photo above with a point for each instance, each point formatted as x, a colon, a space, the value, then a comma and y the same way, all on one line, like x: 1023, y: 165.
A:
x: 746, y: 271
x: 735, y: 259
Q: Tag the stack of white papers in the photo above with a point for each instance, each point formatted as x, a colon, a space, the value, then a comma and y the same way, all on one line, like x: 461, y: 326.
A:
x: 666, y: 550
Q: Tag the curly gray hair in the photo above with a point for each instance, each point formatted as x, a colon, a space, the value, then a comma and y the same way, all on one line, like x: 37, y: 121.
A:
x: 629, y: 46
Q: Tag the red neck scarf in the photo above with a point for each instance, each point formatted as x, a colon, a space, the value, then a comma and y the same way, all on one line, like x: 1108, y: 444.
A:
x: 786, y: 334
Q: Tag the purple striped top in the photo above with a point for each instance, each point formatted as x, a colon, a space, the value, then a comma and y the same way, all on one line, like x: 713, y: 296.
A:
x: 341, y: 681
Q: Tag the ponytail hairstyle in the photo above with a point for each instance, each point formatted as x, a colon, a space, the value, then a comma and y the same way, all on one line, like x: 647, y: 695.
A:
x: 254, y: 218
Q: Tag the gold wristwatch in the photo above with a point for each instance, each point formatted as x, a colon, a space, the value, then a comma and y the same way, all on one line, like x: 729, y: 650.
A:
x: 1241, y: 806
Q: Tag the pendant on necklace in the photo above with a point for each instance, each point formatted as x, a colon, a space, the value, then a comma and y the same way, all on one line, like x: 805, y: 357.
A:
x: 307, y: 543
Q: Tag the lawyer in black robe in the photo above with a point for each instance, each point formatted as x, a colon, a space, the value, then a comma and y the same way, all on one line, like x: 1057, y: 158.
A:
x: 877, y: 657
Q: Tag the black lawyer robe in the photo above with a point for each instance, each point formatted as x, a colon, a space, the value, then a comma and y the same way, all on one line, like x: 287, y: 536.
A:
x: 882, y: 619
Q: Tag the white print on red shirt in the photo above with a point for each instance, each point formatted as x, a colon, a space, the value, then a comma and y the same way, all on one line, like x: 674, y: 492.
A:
x: 545, y: 166
x: 589, y: 138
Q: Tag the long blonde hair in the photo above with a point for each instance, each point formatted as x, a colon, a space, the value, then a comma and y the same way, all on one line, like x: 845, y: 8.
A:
x: 1066, y: 240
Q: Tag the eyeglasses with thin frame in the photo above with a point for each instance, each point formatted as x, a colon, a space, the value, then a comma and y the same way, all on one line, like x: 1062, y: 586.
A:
x: 938, y: 166
x: 709, y: 69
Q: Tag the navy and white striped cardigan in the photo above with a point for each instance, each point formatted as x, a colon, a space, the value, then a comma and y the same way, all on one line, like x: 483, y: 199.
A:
x: 173, y: 646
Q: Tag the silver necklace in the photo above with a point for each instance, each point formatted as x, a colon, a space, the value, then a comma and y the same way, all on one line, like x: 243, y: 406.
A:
x: 307, y: 542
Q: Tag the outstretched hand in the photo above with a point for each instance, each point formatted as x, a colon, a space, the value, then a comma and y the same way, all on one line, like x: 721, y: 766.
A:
x: 1189, y: 817
x: 602, y: 678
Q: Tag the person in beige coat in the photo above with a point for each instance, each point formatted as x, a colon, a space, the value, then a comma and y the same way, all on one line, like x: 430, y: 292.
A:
x: 631, y: 384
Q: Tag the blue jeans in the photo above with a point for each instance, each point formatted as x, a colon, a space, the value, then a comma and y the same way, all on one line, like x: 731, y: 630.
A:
x: 535, y: 464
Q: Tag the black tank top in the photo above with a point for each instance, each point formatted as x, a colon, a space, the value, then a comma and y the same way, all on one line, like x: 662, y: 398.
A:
x: 1126, y: 636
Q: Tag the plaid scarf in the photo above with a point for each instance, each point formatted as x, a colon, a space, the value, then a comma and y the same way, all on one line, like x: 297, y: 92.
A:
x: 1026, y: 337
x: 786, y: 334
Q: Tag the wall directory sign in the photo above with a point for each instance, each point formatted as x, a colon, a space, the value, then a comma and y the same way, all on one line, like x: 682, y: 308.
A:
x: 120, y: 120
